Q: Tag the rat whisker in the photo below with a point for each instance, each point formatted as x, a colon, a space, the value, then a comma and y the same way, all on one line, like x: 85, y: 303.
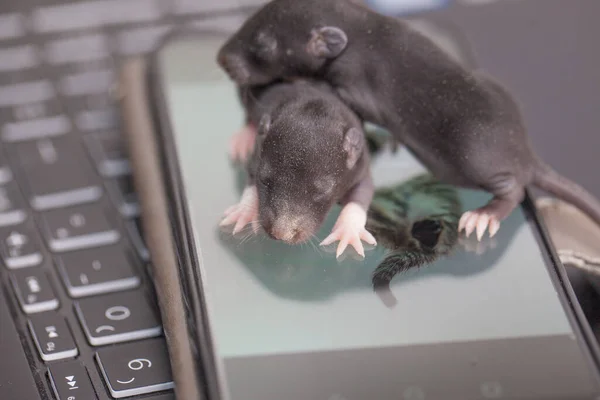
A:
x: 314, y: 241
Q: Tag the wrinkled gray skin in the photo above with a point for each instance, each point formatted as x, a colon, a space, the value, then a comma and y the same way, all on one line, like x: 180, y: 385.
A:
x: 310, y: 154
x: 464, y: 127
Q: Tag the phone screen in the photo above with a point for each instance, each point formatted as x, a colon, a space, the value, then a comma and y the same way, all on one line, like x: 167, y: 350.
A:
x: 484, y: 321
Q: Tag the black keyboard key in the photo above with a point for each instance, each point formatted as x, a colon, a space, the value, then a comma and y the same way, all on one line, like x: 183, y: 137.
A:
x: 94, y: 120
x: 16, y: 380
x: 117, y: 317
x: 38, y: 128
x: 57, y: 172
x: 122, y: 192
x: 11, y: 205
x: 87, y: 82
x: 34, y: 290
x: 94, y: 112
x: 136, y: 368
x: 20, y: 246
x: 52, y: 336
x: 78, y: 227
x: 134, y: 226
x: 95, y: 271
x: 109, y: 153
x: 70, y: 381
x: 25, y: 93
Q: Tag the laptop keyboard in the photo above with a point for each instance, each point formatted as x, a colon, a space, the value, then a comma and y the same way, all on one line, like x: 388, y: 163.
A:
x: 79, y: 317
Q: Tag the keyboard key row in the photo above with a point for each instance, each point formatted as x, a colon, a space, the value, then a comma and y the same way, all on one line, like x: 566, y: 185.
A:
x: 77, y: 49
x: 20, y: 246
x: 109, y: 153
x: 128, y: 370
x: 84, y: 83
x: 56, y: 171
x: 34, y: 290
x: 95, y: 271
x: 17, y: 58
x: 134, y: 227
x: 118, y: 317
x: 93, y: 112
x: 123, y: 194
x: 68, y: 229
x: 36, y: 129
x: 24, y: 93
x: 136, y: 368
x: 11, y: 26
x: 93, y: 14
x: 53, y: 338
x: 11, y: 205
x: 70, y: 381
x: 78, y: 227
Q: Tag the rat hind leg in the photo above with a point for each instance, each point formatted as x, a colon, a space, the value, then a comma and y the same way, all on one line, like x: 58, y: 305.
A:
x: 508, y: 193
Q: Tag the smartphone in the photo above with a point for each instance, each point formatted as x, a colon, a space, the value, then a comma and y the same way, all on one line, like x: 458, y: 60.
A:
x: 494, y: 319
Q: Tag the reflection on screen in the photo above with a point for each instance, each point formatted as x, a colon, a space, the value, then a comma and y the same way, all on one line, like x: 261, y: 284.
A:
x: 266, y: 297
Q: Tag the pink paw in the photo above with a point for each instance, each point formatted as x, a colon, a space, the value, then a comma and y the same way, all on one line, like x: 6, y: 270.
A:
x: 242, y: 143
x: 480, y: 221
x: 349, y: 229
x: 243, y: 213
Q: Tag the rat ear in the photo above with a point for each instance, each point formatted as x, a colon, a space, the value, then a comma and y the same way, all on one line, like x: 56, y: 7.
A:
x: 327, y: 42
x: 353, y: 146
x: 264, y: 125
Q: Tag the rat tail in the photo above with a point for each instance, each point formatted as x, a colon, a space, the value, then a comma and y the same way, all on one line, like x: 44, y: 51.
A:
x: 397, y: 262
x: 551, y: 181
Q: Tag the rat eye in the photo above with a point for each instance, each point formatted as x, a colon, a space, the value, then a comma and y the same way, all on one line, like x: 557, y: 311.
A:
x: 324, y: 185
x: 265, y: 176
x: 264, y: 47
x: 324, y: 189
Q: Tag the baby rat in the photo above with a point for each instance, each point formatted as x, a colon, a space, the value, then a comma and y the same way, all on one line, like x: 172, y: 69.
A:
x: 310, y: 154
x: 460, y: 124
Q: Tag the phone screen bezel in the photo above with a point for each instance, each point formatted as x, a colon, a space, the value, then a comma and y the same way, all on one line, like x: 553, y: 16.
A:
x: 191, y: 266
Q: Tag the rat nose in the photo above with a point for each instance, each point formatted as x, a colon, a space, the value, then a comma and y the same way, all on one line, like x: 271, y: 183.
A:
x: 289, y: 230
x: 222, y: 58
x: 234, y: 66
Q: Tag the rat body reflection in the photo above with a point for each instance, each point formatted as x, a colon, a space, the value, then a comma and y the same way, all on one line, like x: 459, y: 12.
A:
x: 310, y: 153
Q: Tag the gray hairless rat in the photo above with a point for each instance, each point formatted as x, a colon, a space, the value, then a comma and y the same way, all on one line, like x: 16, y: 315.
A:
x: 463, y: 126
x: 310, y: 154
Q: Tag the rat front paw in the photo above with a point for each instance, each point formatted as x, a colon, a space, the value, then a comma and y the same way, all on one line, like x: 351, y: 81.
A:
x: 242, y: 143
x: 479, y: 220
x: 243, y: 213
x: 350, y: 230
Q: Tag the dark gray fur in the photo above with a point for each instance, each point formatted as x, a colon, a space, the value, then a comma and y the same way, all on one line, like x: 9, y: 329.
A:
x: 310, y: 154
x: 461, y: 124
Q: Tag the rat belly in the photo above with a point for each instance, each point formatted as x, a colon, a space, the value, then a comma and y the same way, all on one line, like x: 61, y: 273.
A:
x: 445, y: 169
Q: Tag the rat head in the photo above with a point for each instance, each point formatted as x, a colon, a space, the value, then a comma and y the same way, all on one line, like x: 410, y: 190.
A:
x: 308, y: 159
x: 284, y: 39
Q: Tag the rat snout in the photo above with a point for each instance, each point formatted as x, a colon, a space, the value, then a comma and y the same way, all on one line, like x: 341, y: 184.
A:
x: 289, y: 229
x: 234, y: 66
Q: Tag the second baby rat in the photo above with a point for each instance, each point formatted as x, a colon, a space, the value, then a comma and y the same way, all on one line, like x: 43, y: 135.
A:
x: 310, y: 153
x: 461, y: 124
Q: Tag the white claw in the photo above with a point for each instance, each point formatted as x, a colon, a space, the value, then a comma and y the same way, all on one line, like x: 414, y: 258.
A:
x: 494, y: 227
x: 471, y: 223
x: 463, y: 221
x: 478, y: 221
x: 482, y: 224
